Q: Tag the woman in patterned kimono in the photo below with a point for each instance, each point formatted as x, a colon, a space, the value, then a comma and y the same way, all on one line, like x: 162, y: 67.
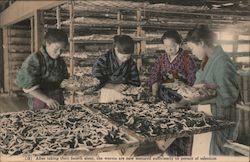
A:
x: 175, y: 63
x: 42, y: 72
x: 116, y: 69
x: 219, y: 71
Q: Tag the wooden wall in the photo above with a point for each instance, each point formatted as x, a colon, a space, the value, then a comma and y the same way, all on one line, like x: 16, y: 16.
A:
x: 16, y: 42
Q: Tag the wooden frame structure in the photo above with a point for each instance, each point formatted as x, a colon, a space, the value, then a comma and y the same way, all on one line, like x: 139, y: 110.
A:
x: 150, y: 15
x: 144, y: 11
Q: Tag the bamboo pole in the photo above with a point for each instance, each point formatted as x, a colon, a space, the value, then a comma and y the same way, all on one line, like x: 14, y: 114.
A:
x: 58, y: 17
x: 138, y: 44
x: 119, y: 20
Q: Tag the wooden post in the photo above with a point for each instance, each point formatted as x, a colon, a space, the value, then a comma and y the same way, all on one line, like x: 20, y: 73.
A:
x: 1, y: 61
x: 10, y: 2
x: 71, y: 44
x: 119, y: 17
x: 58, y: 17
x: 39, y: 29
x: 71, y: 37
x: 6, y: 59
x: 32, y: 45
x: 143, y: 43
x: 138, y: 44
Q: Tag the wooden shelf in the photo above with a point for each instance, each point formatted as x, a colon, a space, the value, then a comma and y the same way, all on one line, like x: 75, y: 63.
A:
x: 104, y: 41
x: 95, y: 22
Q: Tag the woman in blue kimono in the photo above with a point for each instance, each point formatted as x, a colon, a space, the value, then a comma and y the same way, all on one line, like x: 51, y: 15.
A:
x: 42, y: 72
x: 219, y: 71
x: 116, y: 69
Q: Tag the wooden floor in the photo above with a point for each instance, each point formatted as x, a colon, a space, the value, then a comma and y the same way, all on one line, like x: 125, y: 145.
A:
x: 12, y: 103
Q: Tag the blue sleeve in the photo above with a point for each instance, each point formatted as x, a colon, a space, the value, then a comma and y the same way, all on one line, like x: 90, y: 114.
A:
x: 29, y: 74
x: 226, y: 80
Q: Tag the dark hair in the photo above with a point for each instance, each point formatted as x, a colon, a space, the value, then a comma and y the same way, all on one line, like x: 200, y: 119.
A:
x: 172, y: 34
x: 124, y: 44
x: 201, y: 33
x: 56, y: 35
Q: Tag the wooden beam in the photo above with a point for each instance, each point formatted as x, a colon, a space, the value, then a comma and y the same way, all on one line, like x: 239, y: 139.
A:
x: 38, y: 29
x: 240, y: 148
x: 21, y: 10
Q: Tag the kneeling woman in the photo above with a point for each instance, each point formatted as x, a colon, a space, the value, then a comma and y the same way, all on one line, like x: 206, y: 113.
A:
x: 42, y: 72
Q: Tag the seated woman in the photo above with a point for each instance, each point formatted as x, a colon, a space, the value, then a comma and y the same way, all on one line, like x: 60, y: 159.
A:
x: 42, y: 72
x: 116, y: 69
x: 175, y: 63
x: 219, y: 71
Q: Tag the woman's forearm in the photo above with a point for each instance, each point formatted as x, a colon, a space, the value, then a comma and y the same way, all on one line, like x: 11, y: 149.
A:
x: 37, y: 93
x: 155, y: 88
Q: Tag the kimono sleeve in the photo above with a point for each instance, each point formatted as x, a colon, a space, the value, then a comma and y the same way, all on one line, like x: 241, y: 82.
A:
x: 191, y: 75
x: 134, y: 79
x: 65, y: 70
x: 29, y: 74
x: 100, y: 69
x: 155, y: 73
x: 226, y: 80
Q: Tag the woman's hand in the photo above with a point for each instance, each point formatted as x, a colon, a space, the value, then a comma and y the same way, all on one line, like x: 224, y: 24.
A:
x: 116, y: 87
x: 199, y: 85
x: 155, y: 89
x: 53, y: 104
x: 181, y: 103
x: 120, y: 87
x: 154, y: 99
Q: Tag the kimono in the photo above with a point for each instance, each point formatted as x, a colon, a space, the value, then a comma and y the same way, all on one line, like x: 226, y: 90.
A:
x: 221, y: 71
x: 39, y: 70
x: 182, y: 68
x: 107, y: 70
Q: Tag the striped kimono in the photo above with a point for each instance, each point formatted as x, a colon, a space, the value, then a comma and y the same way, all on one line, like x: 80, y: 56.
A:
x: 220, y: 70
x: 107, y: 70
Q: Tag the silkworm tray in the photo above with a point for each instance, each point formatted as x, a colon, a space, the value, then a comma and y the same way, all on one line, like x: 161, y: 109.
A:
x: 158, y: 121
x: 72, y: 128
